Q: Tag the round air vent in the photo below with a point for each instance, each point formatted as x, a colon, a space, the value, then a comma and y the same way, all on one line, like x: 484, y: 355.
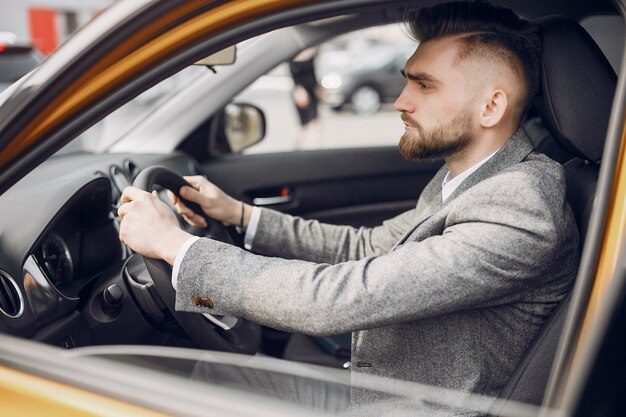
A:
x: 11, y: 299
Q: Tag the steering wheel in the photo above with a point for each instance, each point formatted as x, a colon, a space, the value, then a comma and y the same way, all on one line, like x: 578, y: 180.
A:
x: 209, y: 331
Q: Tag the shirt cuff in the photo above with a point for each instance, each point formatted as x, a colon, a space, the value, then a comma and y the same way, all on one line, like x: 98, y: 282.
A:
x: 253, y: 225
x: 179, y: 258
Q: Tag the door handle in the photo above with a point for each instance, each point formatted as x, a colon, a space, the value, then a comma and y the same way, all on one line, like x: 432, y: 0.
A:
x: 270, y: 201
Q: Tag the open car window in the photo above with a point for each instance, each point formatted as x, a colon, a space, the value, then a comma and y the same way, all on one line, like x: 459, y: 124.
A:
x: 300, y: 388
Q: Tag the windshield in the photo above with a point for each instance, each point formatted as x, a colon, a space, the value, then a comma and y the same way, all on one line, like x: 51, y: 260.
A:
x: 106, y: 132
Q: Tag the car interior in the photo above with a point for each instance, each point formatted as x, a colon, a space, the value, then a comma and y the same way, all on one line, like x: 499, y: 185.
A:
x: 67, y: 280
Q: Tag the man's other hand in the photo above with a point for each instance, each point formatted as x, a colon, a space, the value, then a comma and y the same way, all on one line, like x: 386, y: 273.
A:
x: 148, y: 225
x: 214, y: 202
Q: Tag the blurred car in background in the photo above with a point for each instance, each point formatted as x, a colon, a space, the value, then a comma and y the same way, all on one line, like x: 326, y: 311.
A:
x: 17, y: 58
x: 372, y: 78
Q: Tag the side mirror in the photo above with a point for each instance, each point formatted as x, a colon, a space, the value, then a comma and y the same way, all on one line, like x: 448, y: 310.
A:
x: 240, y: 126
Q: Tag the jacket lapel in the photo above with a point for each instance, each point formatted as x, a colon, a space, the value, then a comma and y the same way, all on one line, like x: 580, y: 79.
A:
x: 515, y: 150
x: 428, y: 204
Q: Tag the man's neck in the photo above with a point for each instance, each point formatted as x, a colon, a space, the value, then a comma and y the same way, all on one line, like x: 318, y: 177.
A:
x: 475, y: 152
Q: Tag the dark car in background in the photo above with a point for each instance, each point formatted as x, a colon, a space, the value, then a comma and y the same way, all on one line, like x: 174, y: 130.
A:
x: 372, y: 78
x: 17, y: 58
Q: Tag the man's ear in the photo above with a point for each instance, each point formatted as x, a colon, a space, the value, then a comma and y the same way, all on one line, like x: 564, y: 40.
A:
x: 494, y: 109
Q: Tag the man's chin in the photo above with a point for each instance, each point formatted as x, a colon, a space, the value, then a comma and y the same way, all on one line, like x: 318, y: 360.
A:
x: 413, y: 156
x: 412, y: 151
x: 408, y: 148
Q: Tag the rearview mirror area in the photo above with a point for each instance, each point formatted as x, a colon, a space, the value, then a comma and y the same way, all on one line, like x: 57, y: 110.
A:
x: 226, y: 56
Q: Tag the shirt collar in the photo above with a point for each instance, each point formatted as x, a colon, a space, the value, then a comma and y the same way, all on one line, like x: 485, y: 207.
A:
x: 448, y: 186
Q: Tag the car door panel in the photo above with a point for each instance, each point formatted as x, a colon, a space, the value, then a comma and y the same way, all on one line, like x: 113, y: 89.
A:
x: 360, y: 187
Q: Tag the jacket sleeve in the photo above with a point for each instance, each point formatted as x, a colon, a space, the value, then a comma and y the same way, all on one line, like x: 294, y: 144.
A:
x: 498, y: 241
x: 291, y: 237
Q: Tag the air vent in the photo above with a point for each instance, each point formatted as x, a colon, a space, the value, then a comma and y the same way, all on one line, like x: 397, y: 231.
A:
x: 131, y: 168
x: 11, y: 300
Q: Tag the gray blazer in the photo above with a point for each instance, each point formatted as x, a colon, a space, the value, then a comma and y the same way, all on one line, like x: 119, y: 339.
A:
x: 448, y: 294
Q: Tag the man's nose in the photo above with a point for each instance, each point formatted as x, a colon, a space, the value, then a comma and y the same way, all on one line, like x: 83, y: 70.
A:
x: 403, y: 103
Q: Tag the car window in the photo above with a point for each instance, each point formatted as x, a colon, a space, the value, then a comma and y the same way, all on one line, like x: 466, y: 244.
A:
x: 275, y: 386
x: 338, y: 95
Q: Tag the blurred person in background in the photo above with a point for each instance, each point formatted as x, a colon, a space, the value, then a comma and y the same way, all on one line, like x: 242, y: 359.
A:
x: 305, y: 98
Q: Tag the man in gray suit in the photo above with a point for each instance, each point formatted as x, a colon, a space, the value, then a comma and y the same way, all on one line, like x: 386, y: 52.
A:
x: 448, y: 294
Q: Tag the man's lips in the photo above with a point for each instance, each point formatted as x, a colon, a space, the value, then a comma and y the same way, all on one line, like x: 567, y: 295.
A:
x: 408, y: 122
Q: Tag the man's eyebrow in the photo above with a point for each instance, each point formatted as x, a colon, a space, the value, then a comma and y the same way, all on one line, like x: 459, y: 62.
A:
x: 419, y: 76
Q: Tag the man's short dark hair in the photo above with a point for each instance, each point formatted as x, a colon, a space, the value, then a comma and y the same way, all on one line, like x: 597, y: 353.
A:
x: 491, y: 31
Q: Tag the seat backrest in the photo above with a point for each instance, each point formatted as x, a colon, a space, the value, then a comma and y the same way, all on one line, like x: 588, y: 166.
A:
x: 577, y: 118
x: 543, y: 140
x: 582, y: 179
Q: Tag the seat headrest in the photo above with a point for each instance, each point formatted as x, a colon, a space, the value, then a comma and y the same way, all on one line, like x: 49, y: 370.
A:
x: 577, y: 87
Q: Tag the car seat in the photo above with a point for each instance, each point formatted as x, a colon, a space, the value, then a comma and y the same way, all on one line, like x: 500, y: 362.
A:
x: 574, y: 102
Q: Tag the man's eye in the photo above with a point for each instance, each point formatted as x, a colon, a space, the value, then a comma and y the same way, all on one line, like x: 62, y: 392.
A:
x: 424, y: 86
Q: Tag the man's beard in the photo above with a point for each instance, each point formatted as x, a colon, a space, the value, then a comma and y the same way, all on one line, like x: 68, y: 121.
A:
x: 437, y: 143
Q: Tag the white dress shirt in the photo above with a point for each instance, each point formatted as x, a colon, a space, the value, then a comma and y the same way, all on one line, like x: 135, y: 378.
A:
x: 447, y: 188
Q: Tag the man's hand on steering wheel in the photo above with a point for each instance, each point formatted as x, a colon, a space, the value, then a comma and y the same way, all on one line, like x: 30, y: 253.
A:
x: 148, y: 225
x: 214, y: 203
x: 150, y: 228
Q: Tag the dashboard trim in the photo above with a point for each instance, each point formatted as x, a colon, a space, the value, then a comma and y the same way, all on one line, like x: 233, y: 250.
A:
x: 43, y: 297
x: 19, y: 294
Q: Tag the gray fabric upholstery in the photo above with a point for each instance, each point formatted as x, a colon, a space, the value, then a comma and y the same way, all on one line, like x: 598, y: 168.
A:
x: 577, y: 87
x: 577, y: 118
x: 528, y: 382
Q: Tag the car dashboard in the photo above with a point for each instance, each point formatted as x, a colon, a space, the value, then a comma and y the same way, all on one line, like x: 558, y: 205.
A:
x: 60, y: 257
